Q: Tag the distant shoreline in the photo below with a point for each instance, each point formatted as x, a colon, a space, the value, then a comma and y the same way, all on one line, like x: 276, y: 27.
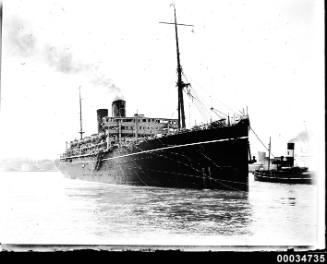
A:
x: 27, y: 165
x: 13, y: 170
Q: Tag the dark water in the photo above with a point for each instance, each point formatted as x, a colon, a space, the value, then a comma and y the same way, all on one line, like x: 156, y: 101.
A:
x: 48, y: 208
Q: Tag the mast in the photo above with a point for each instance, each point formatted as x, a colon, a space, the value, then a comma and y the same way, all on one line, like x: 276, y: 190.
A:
x: 80, y: 114
x: 269, y: 150
x: 180, y: 83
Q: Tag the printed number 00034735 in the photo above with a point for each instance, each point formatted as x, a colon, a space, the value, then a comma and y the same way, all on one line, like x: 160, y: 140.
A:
x: 301, y: 258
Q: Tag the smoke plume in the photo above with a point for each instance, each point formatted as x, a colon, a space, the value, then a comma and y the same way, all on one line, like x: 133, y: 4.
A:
x: 301, y: 137
x: 62, y: 60
x: 105, y: 82
x: 22, y: 41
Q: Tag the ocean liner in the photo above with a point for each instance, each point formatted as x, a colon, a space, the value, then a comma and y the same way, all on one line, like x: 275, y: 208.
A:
x: 142, y: 150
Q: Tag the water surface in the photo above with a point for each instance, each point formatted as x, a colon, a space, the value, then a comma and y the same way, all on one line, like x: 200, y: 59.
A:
x: 48, y: 208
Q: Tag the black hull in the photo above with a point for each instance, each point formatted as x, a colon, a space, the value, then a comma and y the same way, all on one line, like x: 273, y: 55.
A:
x: 282, y: 177
x: 197, y: 159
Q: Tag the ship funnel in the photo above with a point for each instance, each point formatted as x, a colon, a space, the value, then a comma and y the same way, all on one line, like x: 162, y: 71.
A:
x: 119, y: 108
x: 290, y: 149
x: 290, y: 153
x: 101, y: 113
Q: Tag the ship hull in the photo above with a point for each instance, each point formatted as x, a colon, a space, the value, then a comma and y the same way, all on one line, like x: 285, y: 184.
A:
x: 201, y: 159
x: 283, y: 177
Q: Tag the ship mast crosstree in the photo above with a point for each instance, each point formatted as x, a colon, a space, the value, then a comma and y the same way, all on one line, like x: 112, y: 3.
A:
x: 180, y: 83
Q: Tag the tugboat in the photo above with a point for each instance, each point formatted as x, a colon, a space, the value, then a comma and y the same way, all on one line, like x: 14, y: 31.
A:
x: 284, y: 171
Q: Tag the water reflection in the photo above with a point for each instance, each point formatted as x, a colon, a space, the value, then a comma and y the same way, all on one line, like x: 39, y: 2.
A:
x: 46, y: 208
x: 122, y: 209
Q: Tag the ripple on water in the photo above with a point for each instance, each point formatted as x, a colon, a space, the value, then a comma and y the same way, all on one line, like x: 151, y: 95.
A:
x: 62, y: 210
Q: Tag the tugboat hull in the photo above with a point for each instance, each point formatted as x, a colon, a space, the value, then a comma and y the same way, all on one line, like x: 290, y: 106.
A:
x: 283, y: 177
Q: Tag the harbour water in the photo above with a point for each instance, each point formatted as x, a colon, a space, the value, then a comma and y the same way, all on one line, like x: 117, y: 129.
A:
x: 46, y: 207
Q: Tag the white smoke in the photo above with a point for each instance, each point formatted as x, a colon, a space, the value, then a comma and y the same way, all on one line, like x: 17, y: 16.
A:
x: 23, y: 43
x: 303, y: 136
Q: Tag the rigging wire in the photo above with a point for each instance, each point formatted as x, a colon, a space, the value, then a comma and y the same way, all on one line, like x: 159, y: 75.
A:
x: 189, y: 165
x: 198, y: 104
x: 203, y: 111
x: 219, y: 113
x: 201, y: 104
x: 261, y: 142
x: 230, y: 108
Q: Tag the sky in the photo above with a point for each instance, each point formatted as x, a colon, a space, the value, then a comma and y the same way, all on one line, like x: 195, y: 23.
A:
x: 263, y: 55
